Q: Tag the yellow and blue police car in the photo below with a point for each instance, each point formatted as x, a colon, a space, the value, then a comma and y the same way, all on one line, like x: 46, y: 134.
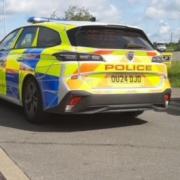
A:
x: 70, y: 67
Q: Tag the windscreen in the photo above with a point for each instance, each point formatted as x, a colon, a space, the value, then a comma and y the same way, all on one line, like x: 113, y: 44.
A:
x: 110, y: 38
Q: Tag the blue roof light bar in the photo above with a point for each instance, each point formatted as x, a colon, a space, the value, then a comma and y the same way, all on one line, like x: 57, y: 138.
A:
x: 34, y: 20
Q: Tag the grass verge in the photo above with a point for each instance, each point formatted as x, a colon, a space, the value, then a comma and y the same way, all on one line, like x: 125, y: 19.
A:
x: 174, y: 74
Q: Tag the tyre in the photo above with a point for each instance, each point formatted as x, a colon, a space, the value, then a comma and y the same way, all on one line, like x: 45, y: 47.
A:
x: 32, y: 101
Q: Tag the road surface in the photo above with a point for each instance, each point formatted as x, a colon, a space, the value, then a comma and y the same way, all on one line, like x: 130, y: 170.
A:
x: 100, y: 147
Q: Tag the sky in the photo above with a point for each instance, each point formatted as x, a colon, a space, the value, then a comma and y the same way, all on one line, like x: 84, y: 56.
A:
x: 160, y: 19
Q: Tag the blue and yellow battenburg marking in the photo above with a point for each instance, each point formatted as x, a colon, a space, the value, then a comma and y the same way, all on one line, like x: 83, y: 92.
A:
x: 28, y: 62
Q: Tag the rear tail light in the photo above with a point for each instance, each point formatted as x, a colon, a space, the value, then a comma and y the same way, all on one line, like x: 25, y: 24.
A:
x: 157, y: 59
x: 166, y: 58
x: 74, y: 101
x: 72, y: 56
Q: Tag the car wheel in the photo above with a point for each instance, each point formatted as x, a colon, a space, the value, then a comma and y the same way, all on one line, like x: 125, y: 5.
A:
x: 32, y: 101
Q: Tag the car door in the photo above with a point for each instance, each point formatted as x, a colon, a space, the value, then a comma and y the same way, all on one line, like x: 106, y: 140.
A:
x: 6, y: 46
x: 19, y: 57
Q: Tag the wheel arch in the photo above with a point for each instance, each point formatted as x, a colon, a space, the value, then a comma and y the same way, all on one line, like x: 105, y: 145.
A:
x: 26, y: 78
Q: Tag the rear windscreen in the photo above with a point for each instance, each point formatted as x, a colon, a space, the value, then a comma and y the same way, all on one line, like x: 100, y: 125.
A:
x: 110, y: 38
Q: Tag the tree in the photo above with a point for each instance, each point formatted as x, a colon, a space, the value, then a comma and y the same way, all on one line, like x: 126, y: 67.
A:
x: 75, y: 13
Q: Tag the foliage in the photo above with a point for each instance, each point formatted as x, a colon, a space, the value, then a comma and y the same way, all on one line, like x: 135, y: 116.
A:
x: 173, y: 46
x: 174, y: 74
x: 78, y: 14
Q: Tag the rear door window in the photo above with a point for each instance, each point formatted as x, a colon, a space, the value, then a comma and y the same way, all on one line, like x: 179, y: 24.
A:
x: 48, y: 38
x: 27, y: 38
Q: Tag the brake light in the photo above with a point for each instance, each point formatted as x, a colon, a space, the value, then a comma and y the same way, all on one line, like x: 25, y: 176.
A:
x: 167, y: 99
x: 74, y: 101
x: 72, y: 56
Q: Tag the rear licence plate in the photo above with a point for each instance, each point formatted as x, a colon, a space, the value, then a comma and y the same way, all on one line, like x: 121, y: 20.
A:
x: 127, y: 79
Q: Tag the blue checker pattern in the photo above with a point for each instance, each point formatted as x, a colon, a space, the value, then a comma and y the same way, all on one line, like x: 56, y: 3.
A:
x: 49, y: 88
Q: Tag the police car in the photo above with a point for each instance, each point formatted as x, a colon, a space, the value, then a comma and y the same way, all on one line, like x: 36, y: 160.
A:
x: 70, y: 67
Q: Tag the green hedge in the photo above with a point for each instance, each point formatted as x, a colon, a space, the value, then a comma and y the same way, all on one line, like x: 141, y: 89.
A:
x: 174, y: 74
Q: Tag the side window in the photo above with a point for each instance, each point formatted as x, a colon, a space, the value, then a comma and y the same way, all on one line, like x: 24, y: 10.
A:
x: 9, y: 41
x: 27, y: 38
x: 48, y: 38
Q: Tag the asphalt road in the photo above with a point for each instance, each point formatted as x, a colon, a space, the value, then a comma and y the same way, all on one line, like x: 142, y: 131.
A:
x: 101, y: 147
x: 176, y: 56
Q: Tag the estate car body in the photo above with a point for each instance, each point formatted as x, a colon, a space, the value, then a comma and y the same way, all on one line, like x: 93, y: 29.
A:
x: 71, y: 67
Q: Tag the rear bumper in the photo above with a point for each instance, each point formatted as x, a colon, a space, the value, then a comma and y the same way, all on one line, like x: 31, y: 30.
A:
x: 112, y: 103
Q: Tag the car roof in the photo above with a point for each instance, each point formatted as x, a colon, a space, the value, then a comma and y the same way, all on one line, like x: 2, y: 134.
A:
x: 89, y: 23
x: 64, y: 23
x: 72, y: 24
